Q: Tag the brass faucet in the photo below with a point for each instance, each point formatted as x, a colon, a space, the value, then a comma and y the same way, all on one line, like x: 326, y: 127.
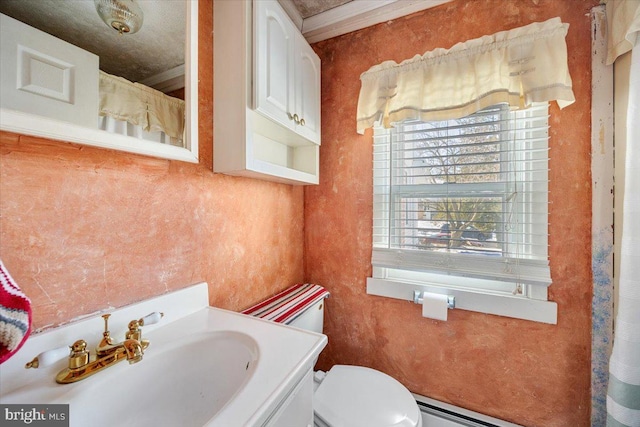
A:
x: 83, y: 365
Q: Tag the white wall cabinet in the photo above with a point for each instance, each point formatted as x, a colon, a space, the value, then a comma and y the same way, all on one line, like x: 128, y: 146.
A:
x: 266, y: 95
x: 286, y: 72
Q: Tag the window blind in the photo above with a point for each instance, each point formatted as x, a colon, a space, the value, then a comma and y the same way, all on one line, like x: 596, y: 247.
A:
x: 465, y: 197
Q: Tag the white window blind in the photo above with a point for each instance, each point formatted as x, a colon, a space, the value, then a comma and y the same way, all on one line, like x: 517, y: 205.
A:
x: 464, y: 198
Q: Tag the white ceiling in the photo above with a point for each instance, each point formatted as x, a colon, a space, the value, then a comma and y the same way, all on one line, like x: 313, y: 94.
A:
x: 77, y: 22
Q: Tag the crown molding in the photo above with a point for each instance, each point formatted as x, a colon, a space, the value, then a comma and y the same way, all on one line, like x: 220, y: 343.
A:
x: 354, y: 16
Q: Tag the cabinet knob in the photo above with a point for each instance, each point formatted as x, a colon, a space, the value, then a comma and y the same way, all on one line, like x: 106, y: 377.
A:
x: 296, y: 119
x: 302, y: 122
x: 290, y: 116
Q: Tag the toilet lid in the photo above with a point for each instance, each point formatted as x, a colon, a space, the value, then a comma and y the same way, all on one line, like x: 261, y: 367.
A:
x: 355, y: 396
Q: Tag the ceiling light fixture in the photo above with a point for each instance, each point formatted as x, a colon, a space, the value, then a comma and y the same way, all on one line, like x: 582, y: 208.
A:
x: 125, y: 16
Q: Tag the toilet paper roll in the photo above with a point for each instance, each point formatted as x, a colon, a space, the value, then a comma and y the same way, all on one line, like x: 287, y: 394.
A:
x: 434, y: 306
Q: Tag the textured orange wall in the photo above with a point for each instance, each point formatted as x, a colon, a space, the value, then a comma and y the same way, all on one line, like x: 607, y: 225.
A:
x: 525, y: 372
x: 83, y: 229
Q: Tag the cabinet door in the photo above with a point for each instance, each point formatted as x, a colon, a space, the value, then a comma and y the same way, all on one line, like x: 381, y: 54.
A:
x: 307, y: 91
x: 48, y: 77
x: 297, y: 408
x: 274, y: 68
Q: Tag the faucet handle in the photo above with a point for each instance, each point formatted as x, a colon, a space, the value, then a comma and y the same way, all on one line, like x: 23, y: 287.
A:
x: 48, y: 357
x: 134, y: 326
x: 79, y: 355
x: 151, y: 318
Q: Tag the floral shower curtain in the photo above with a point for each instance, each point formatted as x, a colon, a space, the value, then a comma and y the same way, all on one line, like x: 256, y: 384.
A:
x: 623, y: 395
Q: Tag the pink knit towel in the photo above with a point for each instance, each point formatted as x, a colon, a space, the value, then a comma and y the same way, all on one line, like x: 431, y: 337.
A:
x: 15, y: 315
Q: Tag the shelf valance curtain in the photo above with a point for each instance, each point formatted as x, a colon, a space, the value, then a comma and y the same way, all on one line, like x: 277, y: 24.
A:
x: 518, y: 67
x: 141, y: 105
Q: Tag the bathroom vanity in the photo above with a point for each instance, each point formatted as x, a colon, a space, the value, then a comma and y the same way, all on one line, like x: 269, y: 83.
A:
x: 203, y: 367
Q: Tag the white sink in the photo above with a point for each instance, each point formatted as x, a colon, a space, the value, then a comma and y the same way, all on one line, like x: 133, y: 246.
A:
x: 196, y: 377
x: 208, y: 367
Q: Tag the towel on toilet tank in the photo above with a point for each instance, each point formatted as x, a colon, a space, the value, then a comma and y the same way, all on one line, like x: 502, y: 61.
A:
x: 288, y: 304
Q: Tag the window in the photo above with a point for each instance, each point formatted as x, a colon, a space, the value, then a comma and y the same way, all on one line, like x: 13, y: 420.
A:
x: 460, y: 206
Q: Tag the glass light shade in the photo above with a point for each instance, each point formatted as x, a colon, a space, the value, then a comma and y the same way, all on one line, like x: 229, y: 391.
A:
x: 125, y: 16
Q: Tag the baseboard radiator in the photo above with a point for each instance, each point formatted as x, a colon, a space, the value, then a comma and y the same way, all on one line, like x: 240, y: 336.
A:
x: 440, y: 414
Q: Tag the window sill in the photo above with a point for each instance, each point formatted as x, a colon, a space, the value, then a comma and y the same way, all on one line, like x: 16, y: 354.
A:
x: 498, y: 304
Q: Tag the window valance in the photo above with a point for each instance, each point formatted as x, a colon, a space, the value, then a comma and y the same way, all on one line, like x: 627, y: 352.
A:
x: 141, y: 105
x: 518, y: 67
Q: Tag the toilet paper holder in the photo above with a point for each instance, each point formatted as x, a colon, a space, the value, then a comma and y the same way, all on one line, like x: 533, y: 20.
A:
x: 451, y: 300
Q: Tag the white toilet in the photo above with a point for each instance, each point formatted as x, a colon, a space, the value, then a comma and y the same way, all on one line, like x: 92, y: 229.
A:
x: 346, y: 396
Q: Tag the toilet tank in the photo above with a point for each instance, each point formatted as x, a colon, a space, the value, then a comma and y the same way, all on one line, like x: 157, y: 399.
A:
x: 300, y: 306
x: 311, y: 318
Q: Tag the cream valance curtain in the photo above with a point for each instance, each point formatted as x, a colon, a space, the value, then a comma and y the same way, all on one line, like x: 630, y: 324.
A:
x: 141, y: 105
x: 518, y: 67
